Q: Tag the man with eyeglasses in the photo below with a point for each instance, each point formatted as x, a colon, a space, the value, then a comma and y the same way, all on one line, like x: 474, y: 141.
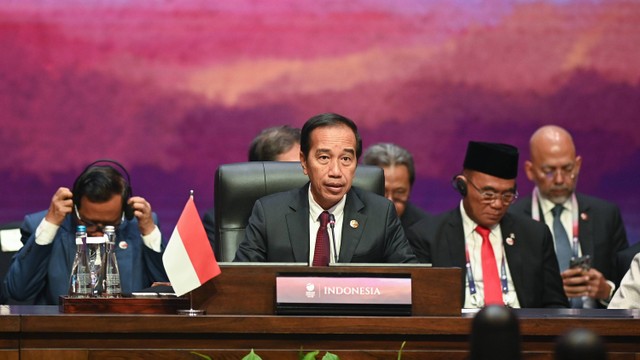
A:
x: 100, y: 196
x: 399, y: 176
x: 584, y: 227
x: 508, y: 259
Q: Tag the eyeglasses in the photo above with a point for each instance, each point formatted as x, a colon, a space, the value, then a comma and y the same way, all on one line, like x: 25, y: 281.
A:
x: 96, y: 227
x: 489, y: 196
x: 566, y: 171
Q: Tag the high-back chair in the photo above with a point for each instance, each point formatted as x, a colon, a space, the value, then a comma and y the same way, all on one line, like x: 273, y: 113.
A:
x: 239, y: 185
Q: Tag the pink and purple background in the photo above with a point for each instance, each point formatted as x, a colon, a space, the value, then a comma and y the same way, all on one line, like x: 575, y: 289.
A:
x: 173, y: 89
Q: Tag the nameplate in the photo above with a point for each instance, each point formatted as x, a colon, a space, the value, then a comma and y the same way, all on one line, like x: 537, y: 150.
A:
x: 343, y: 294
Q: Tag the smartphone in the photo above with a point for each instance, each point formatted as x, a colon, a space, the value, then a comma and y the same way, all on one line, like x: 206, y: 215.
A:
x: 583, y: 262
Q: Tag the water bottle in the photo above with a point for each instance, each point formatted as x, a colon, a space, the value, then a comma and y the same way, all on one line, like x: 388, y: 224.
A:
x: 96, y: 253
x: 111, y: 279
x: 80, y: 279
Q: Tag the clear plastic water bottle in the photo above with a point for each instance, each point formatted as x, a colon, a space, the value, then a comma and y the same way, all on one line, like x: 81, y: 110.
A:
x: 111, y: 280
x: 80, y: 279
x: 96, y: 253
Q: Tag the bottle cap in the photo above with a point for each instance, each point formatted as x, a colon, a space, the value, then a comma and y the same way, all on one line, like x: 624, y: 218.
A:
x: 109, y: 228
x: 81, y: 228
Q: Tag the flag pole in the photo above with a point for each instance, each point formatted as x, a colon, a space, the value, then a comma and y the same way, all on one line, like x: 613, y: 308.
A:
x: 191, y: 311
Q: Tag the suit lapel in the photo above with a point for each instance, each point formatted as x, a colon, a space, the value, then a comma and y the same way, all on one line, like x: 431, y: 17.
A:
x: 125, y: 256
x: 513, y: 254
x: 351, y: 235
x: 452, y: 246
x: 454, y: 239
x: 298, y: 224
x: 585, y: 230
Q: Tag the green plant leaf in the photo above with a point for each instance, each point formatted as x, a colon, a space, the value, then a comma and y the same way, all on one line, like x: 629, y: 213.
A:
x: 311, y: 355
x: 330, y: 356
x: 400, y: 352
x: 252, y: 356
x: 201, y: 355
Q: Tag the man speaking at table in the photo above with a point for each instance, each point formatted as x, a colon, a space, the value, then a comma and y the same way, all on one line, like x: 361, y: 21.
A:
x: 327, y: 220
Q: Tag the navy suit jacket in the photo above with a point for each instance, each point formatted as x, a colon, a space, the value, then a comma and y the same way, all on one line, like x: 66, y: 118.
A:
x: 439, y: 240
x: 41, y: 272
x: 278, y: 230
x: 601, y: 232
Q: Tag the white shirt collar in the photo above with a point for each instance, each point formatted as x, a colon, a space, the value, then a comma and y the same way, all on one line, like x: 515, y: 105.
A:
x: 315, y: 209
x: 547, y: 205
x: 468, y: 224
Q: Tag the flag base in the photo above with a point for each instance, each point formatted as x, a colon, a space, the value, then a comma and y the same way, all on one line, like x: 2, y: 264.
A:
x: 191, y: 312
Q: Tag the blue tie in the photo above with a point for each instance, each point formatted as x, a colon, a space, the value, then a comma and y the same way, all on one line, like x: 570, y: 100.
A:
x: 563, y: 248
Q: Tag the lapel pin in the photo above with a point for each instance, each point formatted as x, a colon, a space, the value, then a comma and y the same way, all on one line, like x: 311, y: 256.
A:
x: 354, y: 224
x: 123, y: 245
x: 511, y: 239
x: 584, y: 216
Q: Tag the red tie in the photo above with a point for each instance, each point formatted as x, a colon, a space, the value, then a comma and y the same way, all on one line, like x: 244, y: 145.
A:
x: 321, y: 254
x: 492, y: 292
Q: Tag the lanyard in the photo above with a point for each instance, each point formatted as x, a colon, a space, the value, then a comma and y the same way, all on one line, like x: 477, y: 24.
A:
x: 535, y: 214
x: 504, y: 284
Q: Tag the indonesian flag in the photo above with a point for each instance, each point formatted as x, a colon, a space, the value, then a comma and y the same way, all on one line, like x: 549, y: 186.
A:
x: 188, y: 258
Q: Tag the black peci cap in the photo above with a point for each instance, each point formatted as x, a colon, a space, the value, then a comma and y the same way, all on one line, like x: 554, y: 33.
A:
x: 499, y: 160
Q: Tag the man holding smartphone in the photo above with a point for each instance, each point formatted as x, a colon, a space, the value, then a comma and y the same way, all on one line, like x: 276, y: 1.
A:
x: 588, y: 232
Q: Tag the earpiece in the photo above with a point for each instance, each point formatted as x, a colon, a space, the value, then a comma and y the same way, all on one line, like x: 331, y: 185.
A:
x: 460, y: 185
x: 127, y: 192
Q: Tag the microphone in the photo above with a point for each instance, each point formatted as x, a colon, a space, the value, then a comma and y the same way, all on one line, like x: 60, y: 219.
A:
x: 332, y: 224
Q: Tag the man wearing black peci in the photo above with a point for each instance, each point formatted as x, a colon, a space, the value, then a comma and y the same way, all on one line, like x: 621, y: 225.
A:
x: 509, y: 259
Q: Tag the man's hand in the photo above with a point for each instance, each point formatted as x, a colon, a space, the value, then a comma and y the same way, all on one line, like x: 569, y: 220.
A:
x: 142, y: 211
x: 580, y: 282
x: 61, y: 205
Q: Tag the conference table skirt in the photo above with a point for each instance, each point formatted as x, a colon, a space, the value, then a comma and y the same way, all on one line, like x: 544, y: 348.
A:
x: 37, y: 332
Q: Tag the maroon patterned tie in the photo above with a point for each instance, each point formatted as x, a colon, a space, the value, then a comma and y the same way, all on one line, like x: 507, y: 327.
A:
x: 321, y: 254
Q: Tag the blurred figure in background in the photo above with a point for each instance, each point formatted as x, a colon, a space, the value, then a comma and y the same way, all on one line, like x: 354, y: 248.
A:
x: 495, y: 334
x: 580, y: 344
x: 399, y: 176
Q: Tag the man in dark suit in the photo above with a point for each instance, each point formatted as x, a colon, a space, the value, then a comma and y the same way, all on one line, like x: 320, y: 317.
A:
x: 509, y: 259
x: 399, y: 176
x: 588, y: 226
x: 299, y: 225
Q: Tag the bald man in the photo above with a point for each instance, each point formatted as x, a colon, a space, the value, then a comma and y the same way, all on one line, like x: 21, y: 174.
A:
x: 581, y: 225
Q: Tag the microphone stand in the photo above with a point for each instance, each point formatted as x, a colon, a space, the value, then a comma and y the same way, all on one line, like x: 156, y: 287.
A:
x: 332, y: 224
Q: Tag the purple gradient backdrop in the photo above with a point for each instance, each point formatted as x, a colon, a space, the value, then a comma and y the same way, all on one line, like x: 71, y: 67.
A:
x: 173, y: 90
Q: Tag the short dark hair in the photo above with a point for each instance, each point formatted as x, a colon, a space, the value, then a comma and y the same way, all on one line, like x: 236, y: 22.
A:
x: 323, y: 120
x: 387, y: 154
x: 272, y: 142
x: 99, y: 184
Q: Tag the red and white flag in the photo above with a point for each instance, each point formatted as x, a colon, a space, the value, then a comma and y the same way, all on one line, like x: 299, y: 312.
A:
x: 188, y: 258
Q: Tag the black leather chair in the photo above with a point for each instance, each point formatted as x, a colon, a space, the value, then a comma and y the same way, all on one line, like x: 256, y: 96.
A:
x: 238, y: 186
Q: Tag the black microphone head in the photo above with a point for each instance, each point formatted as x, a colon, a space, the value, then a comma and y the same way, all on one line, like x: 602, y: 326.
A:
x: 332, y: 220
